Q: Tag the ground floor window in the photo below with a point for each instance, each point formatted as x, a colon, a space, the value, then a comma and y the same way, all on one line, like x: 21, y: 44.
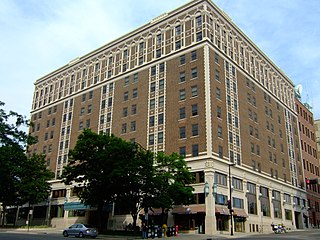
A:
x: 239, y: 224
x: 222, y: 222
x: 76, y: 213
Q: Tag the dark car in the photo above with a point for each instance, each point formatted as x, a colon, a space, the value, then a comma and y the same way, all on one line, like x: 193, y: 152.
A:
x: 80, y: 230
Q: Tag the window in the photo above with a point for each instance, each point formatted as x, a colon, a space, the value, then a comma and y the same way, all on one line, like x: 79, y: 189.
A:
x: 135, y: 93
x: 217, y: 75
x: 216, y: 57
x: 219, y: 131
x: 195, y: 150
x: 125, y: 112
x: 153, y: 87
x: 110, y: 102
x: 218, y: 93
x: 199, y: 21
x: 89, y: 108
x: 220, y: 179
x: 220, y: 150
x: 133, y: 109
x: 194, y: 55
x: 195, y: 130
x: 109, y: 117
x: 159, y: 38
x: 126, y: 96
x: 151, y: 121
x: 161, y: 101
x: 160, y: 119
x: 178, y: 46
x: 141, y: 46
x: 151, y: 139
x: 124, y: 128
x: 124, y: 67
x: 161, y: 67
x: 219, y: 112
x: 198, y: 36
x: 88, y: 123
x: 194, y: 110
x: 133, y: 126
x: 158, y: 53
x: 182, y: 94
x: 152, y: 103
x: 194, y: 91
x: 126, y: 81
x: 182, y: 77
x: 182, y: 59
x: 178, y: 30
x: 153, y: 70
x: 160, y: 137
x: 182, y: 151
x: 182, y: 132
x: 161, y: 84
x: 194, y: 72
x: 83, y: 97
x: 182, y: 113
x: 237, y: 183
x: 135, y: 78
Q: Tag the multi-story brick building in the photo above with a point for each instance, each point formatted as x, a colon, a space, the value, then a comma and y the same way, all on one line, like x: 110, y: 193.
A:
x: 189, y: 81
x: 311, y: 165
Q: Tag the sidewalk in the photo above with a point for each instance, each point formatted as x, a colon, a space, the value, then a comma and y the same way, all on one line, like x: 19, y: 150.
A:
x: 182, y: 236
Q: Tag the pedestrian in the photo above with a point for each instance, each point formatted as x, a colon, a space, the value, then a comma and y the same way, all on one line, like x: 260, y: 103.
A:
x: 144, y: 231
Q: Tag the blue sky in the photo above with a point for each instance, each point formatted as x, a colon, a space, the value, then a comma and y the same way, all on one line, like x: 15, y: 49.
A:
x: 39, y: 36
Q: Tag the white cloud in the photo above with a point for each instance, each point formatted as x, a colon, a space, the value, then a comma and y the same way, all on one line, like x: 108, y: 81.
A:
x: 38, y: 37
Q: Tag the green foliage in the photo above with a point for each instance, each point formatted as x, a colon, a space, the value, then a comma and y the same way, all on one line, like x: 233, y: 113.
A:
x: 34, y: 176
x: 172, y: 181
x: 110, y: 169
x: 22, y: 179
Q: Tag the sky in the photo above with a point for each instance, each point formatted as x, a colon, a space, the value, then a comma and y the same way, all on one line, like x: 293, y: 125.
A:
x: 40, y: 36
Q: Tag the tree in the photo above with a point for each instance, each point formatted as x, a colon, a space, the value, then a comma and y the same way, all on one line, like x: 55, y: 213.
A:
x: 111, y: 170
x: 135, y: 181
x: 34, y: 177
x: 172, y: 179
x: 17, y: 171
x: 91, y: 164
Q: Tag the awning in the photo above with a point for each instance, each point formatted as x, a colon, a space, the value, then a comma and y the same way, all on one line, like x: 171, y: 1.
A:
x: 75, y: 206
x: 189, y: 209
x: 223, y: 210
x: 239, y: 212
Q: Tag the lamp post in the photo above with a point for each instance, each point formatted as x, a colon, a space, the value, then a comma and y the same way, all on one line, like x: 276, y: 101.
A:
x: 230, y: 195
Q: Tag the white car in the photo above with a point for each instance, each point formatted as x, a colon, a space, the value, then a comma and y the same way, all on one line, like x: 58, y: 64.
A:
x: 80, y: 230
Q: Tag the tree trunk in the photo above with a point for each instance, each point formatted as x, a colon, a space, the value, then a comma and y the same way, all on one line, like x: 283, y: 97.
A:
x: 17, y: 216
x: 134, y: 223
x: 100, y: 214
x: 4, y: 208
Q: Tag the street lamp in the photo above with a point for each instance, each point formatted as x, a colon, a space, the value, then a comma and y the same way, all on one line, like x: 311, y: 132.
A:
x: 206, y: 189
x: 230, y: 200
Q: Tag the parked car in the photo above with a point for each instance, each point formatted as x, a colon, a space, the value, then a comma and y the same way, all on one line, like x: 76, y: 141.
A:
x: 80, y: 230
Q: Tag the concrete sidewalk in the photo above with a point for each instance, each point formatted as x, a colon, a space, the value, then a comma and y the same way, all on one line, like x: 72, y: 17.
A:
x: 182, y: 236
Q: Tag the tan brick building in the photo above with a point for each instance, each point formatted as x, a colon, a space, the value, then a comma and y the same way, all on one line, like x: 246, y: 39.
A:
x: 189, y: 81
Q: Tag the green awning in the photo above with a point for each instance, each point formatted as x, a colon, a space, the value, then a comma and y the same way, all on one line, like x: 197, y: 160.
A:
x: 75, y: 206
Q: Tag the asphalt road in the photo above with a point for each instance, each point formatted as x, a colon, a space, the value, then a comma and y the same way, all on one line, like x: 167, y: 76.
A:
x: 301, y: 235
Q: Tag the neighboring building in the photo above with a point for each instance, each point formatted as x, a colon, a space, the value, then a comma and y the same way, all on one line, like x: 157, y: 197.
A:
x: 191, y: 82
x: 315, y: 188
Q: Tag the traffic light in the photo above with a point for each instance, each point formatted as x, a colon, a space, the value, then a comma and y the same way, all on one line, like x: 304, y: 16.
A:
x: 312, y: 181
x: 229, y: 204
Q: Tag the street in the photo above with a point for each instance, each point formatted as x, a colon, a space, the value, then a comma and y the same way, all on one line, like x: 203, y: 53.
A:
x: 34, y: 235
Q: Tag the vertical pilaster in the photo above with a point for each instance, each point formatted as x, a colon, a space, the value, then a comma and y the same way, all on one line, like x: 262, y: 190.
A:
x: 210, y: 227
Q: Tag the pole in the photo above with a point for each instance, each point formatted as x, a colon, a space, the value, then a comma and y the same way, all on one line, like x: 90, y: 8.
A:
x: 230, y: 194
